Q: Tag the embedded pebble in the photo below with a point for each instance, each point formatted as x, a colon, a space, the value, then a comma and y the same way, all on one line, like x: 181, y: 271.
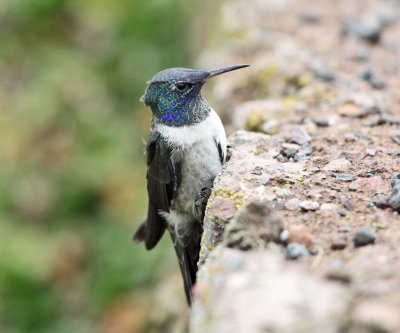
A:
x: 350, y: 110
x: 328, y: 206
x: 321, y: 72
x: 346, y: 203
x: 362, y: 56
x: 342, y: 213
x: 274, y: 153
x: 292, y: 204
x: 276, y: 205
x: 340, y: 164
x: 380, y: 200
x: 395, y: 153
x: 290, y: 152
x: 309, y: 205
x: 300, y: 234
x: 350, y: 137
x: 354, y: 187
x: 299, y: 135
x: 295, y: 251
x: 321, y: 122
x: 374, y: 80
x: 300, y: 156
x: 307, y: 149
x: 364, y: 236
x: 394, y: 199
x: 338, y: 243
x: 369, y: 30
x: 271, y: 127
x: 283, y: 193
x: 343, y: 177
x: 370, y: 152
x: 284, y: 236
x: 396, y: 138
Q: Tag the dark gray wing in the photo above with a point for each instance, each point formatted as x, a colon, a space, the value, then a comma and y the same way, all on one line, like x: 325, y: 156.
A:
x: 163, y: 179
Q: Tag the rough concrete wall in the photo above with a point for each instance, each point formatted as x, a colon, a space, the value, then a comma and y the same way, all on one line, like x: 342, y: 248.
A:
x: 322, y: 153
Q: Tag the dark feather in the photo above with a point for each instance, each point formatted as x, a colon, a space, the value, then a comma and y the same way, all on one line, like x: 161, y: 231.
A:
x: 140, y: 233
x: 163, y: 180
x: 220, y: 152
x: 187, y: 250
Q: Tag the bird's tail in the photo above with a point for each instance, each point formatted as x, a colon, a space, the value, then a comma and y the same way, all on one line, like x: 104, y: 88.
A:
x: 187, y: 250
x: 140, y: 233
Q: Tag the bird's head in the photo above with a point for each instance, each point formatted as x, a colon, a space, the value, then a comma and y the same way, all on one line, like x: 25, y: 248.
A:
x: 174, y: 95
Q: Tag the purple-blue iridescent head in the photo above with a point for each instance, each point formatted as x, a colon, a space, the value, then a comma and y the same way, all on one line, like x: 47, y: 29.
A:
x: 174, y: 95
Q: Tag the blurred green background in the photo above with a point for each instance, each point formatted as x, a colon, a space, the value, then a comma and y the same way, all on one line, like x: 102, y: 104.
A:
x: 72, y: 170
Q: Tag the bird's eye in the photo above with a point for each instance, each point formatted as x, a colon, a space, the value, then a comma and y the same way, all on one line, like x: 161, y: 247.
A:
x: 182, y: 86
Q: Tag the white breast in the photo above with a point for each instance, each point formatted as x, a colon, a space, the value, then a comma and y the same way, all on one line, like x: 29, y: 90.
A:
x: 186, y: 136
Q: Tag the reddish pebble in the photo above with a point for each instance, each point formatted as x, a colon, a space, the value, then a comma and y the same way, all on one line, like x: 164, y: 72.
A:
x: 338, y: 244
x: 300, y: 234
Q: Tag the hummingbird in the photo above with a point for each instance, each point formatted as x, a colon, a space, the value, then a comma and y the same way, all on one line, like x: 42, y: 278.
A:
x: 185, y: 151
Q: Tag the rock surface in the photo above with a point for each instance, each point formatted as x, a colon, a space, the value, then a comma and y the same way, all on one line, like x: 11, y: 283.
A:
x: 317, y: 143
x: 317, y: 237
x: 237, y: 292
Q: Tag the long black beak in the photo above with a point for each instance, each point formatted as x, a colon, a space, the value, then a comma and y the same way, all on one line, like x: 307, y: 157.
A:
x: 223, y: 70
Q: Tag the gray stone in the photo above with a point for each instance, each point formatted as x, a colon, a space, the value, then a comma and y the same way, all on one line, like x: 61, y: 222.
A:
x: 374, y: 80
x: 395, y: 178
x: 271, y: 127
x: 343, y: 177
x: 276, y: 205
x: 296, y: 250
x: 380, y: 200
x: 292, y: 204
x: 369, y: 30
x: 321, y: 72
x: 364, y: 236
x: 290, y: 152
x: 354, y: 187
x: 299, y: 135
x: 396, y: 138
x: 394, y: 199
x: 283, y: 193
x: 300, y: 156
x: 346, y: 203
x: 307, y: 149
